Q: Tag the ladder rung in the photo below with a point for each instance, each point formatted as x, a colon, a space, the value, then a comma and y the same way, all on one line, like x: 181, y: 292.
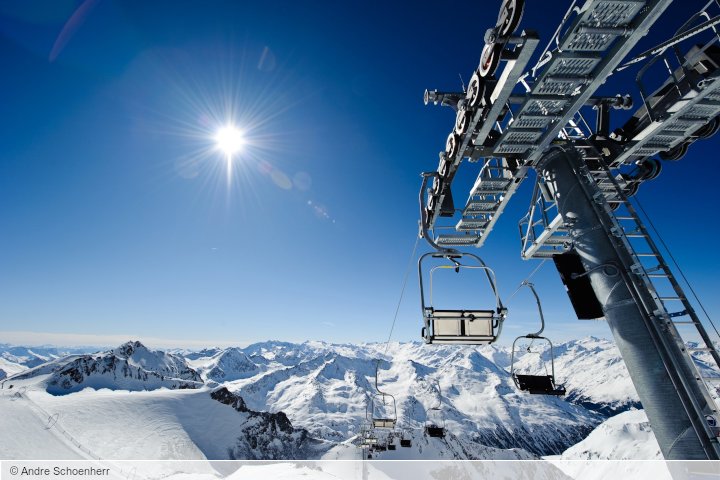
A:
x: 654, y: 269
x: 646, y: 254
x: 671, y: 299
x: 701, y: 349
x: 715, y: 379
x: 625, y: 218
x: 658, y: 275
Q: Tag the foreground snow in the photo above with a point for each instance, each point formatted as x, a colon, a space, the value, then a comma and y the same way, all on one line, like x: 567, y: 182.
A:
x: 626, y: 436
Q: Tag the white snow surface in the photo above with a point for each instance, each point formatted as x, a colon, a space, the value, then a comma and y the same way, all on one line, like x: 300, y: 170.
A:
x: 9, y: 368
x: 626, y: 436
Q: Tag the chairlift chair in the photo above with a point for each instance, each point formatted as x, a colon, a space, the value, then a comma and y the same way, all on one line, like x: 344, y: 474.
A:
x: 459, y: 326
x: 367, y: 438
x: 536, y: 384
x: 435, y: 423
x: 434, y: 430
x: 380, y: 417
x: 405, y: 441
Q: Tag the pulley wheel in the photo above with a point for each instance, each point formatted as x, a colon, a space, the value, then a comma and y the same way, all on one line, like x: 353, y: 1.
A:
x: 489, y: 59
x: 632, y: 189
x: 511, y: 13
x: 675, y: 153
x: 709, y: 129
x: 650, y: 168
x: 462, y: 121
x: 475, y: 91
x: 452, y: 146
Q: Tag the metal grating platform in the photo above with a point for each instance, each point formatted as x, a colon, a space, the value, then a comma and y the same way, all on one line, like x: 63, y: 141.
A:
x: 467, y: 224
x: 450, y: 240
x: 475, y: 208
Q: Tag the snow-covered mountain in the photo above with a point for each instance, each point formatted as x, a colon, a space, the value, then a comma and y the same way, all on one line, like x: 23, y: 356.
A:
x: 225, y: 365
x: 131, y: 366
x: 626, y: 436
x: 330, y: 391
x: 317, y: 397
x: 266, y: 436
x: 8, y: 368
x: 141, y: 404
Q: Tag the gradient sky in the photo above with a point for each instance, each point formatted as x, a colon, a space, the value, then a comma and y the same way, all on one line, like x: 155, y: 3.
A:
x: 117, y: 218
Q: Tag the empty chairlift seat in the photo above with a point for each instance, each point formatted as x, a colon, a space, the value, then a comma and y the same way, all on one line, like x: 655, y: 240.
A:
x: 458, y: 326
x: 538, y: 384
x: 462, y: 326
x: 383, y: 422
x: 533, y: 383
x: 434, y: 431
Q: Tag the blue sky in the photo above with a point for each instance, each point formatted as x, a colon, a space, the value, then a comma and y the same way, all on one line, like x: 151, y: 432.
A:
x: 117, y: 217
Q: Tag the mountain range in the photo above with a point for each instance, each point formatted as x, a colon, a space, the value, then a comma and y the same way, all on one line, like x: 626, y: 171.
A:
x: 314, y: 400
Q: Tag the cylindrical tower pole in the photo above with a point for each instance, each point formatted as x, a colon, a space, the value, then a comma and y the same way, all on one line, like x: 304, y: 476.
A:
x: 667, y: 400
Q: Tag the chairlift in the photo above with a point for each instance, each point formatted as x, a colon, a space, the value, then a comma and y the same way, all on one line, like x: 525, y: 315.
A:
x: 380, y: 402
x: 367, y: 437
x: 536, y: 384
x: 435, y: 422
x: 460, y: 327
x: 405, y: 440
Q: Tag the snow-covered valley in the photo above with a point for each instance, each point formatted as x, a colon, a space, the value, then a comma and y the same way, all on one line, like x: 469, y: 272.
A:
x: 278, y: 400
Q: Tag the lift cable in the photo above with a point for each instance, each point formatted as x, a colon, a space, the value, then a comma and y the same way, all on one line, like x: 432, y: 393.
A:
x: 525, y: 281
x: 402, y: 293
x: 682, y: 274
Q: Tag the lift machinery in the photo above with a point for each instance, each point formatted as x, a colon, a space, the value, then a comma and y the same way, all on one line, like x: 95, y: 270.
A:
x: 518, y: 119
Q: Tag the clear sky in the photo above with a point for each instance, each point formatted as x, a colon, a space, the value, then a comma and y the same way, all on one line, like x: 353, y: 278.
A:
x: 118, y: 219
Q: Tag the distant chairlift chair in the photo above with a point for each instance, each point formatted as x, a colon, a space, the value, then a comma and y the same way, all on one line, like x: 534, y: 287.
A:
x: 460, y: 327
x: 435, y: 423
x: 536, y: 384
x: 380, y: 409
x: 367, y: 436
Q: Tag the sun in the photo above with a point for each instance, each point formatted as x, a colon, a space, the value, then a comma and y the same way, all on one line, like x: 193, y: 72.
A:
x: 230, y: 140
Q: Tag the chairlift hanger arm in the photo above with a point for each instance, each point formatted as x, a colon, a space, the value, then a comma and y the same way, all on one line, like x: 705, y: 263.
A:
x: 542, y: 317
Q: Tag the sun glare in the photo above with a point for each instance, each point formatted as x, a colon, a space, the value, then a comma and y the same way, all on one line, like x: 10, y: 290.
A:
x: 230, y: 140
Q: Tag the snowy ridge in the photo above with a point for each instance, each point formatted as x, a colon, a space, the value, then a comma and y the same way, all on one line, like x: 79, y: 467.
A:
x: 130, y: 366
x: 311, y: 400
x: 141, y: 404
x: 626, y: 436
x: 329, y: 392
x: 225, y: 365
x: 266, y: 436
x: 8, y: 368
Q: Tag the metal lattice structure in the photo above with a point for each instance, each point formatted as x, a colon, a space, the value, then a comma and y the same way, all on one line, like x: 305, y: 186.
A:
x: 527, y: 117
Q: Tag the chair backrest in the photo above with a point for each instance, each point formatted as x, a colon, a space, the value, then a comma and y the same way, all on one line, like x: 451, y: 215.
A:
x: 383, y: 422
x: 460, y: 323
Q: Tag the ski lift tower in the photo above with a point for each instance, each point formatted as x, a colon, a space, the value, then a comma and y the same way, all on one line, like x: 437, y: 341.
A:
x: 533, y: 119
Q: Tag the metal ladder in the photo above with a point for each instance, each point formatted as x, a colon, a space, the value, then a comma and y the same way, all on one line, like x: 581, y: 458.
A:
x: 650, y: 271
